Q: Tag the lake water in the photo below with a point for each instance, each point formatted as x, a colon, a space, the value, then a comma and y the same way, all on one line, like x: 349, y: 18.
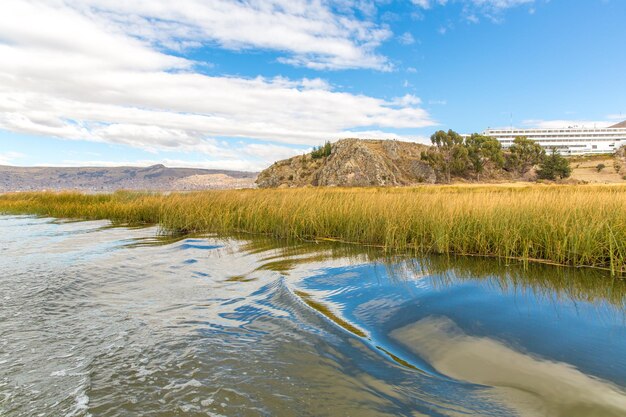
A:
x: 112, y: 321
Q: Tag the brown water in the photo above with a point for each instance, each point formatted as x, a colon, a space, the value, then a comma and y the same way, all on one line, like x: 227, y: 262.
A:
x: 111, y: 321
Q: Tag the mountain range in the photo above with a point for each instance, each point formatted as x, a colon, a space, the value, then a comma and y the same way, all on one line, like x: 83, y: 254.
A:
x: 103, y: 179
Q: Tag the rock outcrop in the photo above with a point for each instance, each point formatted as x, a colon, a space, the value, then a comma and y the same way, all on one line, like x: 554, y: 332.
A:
x: 353, y: 163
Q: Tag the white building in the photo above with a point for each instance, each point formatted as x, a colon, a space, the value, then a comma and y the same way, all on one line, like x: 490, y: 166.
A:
x: 568, y: 140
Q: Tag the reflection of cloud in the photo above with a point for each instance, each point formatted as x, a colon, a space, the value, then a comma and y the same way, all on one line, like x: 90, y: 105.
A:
x: 531, y: 386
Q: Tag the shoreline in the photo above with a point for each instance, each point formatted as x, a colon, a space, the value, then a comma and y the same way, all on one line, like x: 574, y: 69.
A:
x: 568, y: 225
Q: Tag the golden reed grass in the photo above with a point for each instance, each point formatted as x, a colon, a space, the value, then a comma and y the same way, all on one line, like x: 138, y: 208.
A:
x: 561, y: 224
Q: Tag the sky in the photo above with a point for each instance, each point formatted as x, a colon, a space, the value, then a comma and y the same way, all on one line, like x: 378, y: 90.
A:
x: 239, y: 84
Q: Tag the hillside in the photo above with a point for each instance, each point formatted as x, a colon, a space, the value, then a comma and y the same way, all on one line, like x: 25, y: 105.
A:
x: 585, y: 168
x: 94, y: 179
x: 353, y: 163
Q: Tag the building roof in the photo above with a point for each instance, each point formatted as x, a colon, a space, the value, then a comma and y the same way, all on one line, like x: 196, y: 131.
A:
x: 619, y: 125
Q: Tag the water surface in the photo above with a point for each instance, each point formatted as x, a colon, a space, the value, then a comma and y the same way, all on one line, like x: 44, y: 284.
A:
x: 114, y: 321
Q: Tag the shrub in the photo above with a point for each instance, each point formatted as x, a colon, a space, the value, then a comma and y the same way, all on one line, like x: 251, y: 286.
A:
x: 554, y: 166
x: 322, y: 151
x: 600, y: 167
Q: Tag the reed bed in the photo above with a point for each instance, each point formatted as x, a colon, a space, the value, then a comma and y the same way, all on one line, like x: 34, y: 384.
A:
x: 561, y: 224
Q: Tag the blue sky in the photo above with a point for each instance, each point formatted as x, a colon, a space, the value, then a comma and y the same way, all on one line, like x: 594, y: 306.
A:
x: 233, y: 84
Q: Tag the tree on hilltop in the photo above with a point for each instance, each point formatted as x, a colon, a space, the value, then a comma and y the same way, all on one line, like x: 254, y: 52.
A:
x: 450, y: 156
x: 322, y: 151
x: 482, y: 150
x: 523, y: 155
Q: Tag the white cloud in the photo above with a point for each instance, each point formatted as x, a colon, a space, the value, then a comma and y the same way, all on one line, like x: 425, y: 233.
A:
x: 616, y: 117
x: 237, y: 157
x: 492, y: 9
x: 225, y: 164
x: 82, y: 72
x: 312, y: 33
x: 554, y: 124
x: 377, y: 134
x: 6, y: 158
x: 427, y: 4
x: 407, y: 100
x: 406, y: 38
x: 485, y: 4
x: 424, y: 4
x: 499, y: 4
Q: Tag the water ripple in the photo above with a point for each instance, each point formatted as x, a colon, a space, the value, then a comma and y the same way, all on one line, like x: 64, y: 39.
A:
x: 104, y: 320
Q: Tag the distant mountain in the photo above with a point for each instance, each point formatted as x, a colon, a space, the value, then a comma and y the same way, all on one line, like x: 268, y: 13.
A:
x: 619, y: 125
x: 94, y: 179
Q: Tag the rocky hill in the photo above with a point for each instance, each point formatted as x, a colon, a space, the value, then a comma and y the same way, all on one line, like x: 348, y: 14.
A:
x: 95, y: 179
x: 353, y: 163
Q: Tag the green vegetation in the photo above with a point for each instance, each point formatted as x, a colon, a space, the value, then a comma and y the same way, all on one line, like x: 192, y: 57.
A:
x: 553, y: 167
x: 567, y: 225
x: 482, y: 151
x: 523, y: 155
x: 470, y: 157
x: 600, y: 167
x: 454, y: 156
x: 322, y: 151
x: 450, y: 156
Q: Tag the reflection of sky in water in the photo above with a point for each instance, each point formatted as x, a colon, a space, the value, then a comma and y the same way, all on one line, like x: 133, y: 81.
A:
x: 555, y: 327
x: 116, y: 321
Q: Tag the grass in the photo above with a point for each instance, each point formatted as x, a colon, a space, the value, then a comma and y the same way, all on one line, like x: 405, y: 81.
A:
x: 565, y: 225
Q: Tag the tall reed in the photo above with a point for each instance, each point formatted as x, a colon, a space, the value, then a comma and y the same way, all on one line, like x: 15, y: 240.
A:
x: 568, y: 225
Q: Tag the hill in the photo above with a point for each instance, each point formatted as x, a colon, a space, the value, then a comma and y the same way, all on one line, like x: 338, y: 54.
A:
x: 353, y: 163
x: 603, y: 169
x: 94, y: 179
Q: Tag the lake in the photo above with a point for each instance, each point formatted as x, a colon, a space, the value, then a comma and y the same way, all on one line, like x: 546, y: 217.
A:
x: 97, y: 320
